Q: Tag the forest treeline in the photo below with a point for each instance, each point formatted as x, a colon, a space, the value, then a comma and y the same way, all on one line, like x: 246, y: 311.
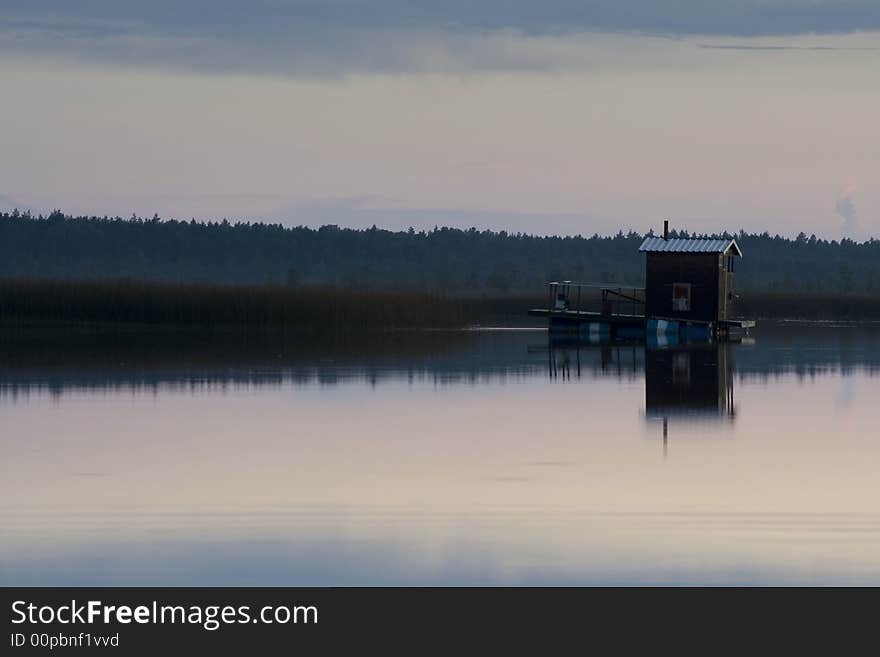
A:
x: 443, y: 260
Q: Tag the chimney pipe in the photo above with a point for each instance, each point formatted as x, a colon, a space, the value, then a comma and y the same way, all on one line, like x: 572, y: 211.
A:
x: 666, y: 229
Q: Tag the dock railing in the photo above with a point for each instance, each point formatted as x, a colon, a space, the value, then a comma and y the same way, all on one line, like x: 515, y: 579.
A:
x: 604, y: 298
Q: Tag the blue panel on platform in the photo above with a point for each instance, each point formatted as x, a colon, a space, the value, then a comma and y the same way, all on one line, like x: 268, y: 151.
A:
x: 662, y: 326
x: 658, y: 340
x: 698, y: 333
x: 663, y: 332
x: 595, y: 331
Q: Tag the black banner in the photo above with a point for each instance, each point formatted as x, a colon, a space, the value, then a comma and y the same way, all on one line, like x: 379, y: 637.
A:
x: 133, y: 621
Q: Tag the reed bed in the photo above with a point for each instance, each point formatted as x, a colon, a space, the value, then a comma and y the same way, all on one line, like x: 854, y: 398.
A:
x: 338, y: 309
x: 815, y: 306
x: 152, y: 303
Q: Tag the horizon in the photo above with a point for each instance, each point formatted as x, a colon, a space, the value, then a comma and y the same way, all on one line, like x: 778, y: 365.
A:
x: 557, y: 119
x: 674, y: 231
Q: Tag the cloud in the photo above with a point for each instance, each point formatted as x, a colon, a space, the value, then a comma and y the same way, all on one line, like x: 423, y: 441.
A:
x: 338, y: 36
x: 846, y: 208
x: 276, y: 18
x: 743, y: 46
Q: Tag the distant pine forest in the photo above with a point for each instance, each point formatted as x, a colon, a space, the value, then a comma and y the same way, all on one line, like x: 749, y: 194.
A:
x: 452, y: 261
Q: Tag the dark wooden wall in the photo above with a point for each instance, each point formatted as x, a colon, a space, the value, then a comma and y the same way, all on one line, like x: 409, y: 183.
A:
x: 701, y: 270
x: 725, y: 289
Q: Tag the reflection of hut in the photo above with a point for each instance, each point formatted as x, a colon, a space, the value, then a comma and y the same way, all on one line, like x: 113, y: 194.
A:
x: 692, y: 381
x: 689, y: 279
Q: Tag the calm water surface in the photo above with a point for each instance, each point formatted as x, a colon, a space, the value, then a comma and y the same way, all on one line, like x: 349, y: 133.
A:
x: 445, y: 458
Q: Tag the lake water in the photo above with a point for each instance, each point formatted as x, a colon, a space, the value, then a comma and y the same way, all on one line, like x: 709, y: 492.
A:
x: 441, y: 458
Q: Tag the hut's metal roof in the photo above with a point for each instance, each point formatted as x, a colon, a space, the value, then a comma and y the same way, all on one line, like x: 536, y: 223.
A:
x: 677, y: 245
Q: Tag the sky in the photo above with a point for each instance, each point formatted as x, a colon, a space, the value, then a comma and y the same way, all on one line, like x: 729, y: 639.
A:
x: 561, y: 116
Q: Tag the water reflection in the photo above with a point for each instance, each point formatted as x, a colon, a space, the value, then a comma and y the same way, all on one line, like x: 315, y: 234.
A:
x: 439, y: 458
x: 684, y: 381
x: 56, y: 362
x: 693, y: 381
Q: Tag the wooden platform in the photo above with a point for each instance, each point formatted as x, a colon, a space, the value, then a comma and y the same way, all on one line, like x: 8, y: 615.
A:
x: 624, y: 325
x: 586, y: 316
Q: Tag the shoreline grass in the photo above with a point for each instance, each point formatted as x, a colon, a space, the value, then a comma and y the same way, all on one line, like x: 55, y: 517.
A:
x: 142, y: 304
x: 150, y: 304
x: 809, y: 306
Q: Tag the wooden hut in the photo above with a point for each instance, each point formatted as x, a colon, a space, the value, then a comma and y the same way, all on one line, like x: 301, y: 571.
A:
x: 689, y: 279
x: 688, y: 295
